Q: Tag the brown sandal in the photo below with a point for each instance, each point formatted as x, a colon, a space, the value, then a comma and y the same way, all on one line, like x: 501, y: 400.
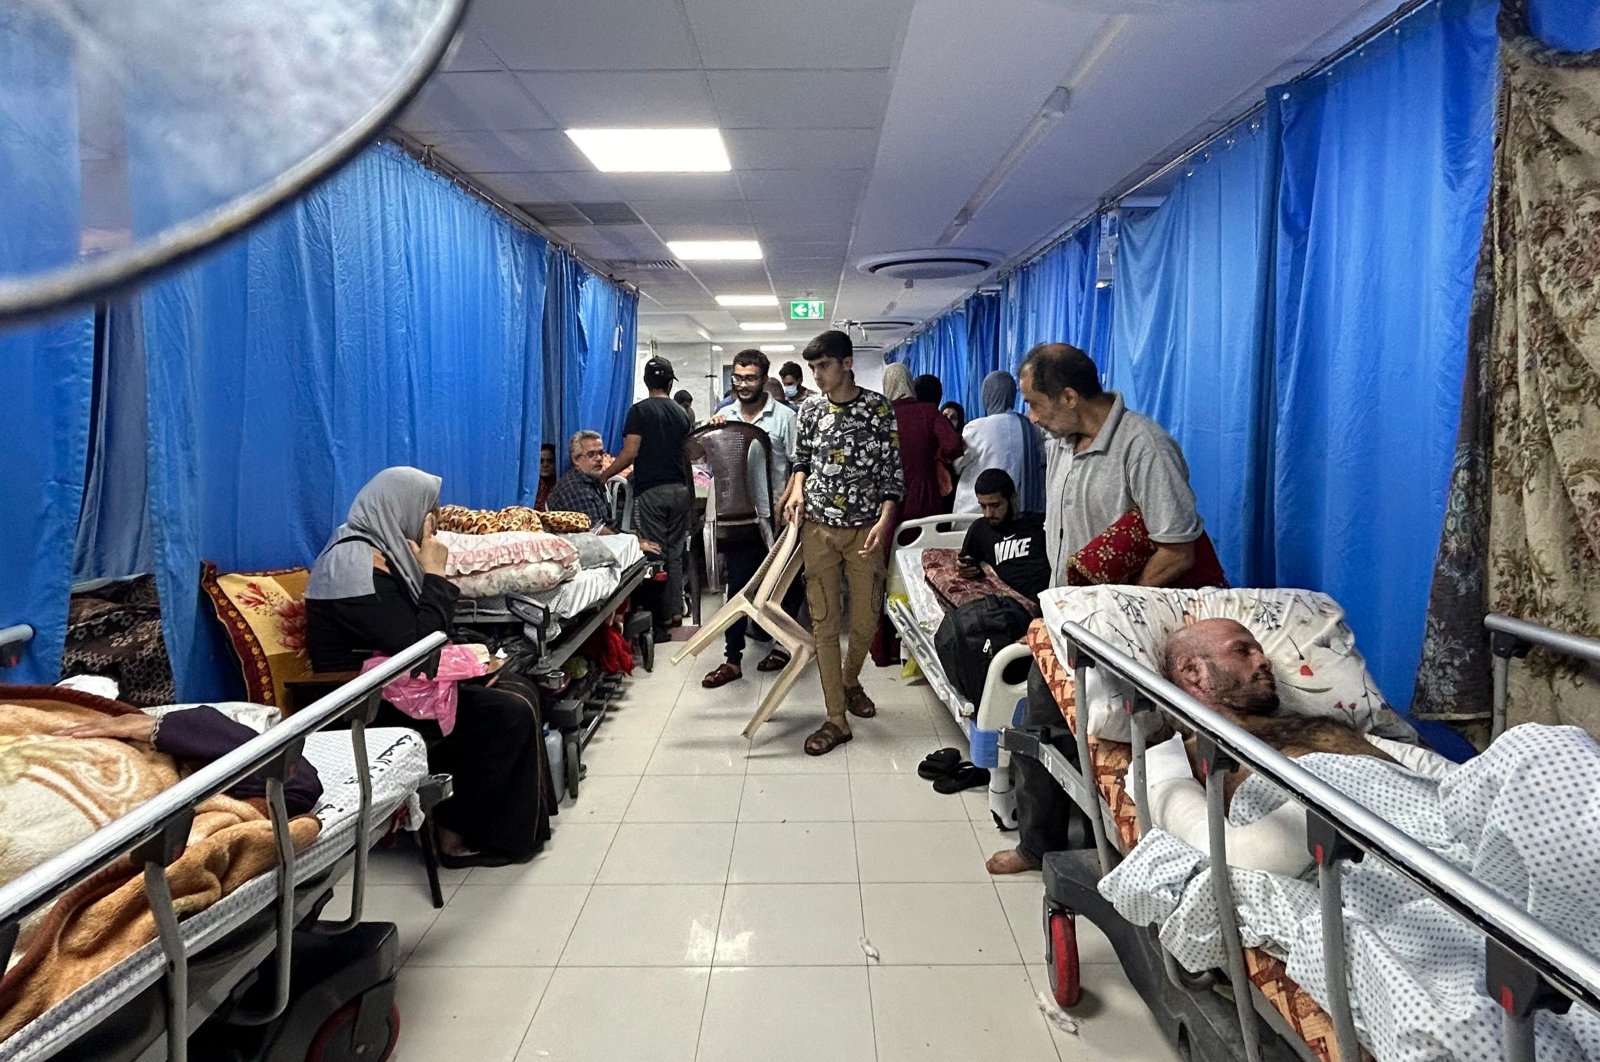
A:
x: 858, y: 704
x: 720, y: 676
x: 776, y: 660
x: 828, y: 737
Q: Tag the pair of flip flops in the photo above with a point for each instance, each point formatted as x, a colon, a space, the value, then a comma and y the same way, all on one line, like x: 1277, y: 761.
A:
x: 949, y: 773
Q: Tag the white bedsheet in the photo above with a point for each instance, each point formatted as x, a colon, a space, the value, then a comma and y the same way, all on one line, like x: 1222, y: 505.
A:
x: 626, y: 547
x: 399, y: 763
x: 924, y: 602
x: 585, y: 590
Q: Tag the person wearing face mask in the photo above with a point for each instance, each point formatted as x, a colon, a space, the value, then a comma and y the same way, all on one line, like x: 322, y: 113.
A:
x: 795, y: 392
x: 743, y: 549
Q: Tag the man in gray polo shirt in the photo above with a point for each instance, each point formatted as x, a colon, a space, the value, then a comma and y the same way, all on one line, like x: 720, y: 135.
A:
x: 1102, y: 461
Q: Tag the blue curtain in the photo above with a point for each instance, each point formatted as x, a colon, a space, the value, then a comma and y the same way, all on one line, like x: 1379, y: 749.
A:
x: 1188, y: 343
x: 1054, y: 299
x: 1568, y: 25
x: 114, y: 536
x: 1385, y: 172
x: 384, y: 318
x: 984, y: 352
x: 608, y: 318
x: 48, y: 365
x: 563, y: 344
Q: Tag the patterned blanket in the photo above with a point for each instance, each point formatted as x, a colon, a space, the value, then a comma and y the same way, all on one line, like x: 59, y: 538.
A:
x: 1522, y: 819
x: 54, y: 791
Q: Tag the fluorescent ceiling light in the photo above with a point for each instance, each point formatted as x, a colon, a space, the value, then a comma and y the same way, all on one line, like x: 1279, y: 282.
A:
x: 747, y: 300
x: 715, y: 250
x: 715, y: 347
x: 653, y: 150
x: 777, y: 348
x: 763, y: 326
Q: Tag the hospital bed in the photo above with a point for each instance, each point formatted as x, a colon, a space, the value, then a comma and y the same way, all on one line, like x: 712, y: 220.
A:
x: 540, y: 632
x: 916, y: 613
x: 147, y: 1005
x: 1528, y: 968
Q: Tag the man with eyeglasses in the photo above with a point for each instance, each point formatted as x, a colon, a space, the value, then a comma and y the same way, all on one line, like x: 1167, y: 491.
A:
x: 743, y: 549
x: 582, y: 490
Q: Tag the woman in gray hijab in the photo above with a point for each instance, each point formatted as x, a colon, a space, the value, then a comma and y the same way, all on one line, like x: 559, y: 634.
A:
x: 377, y: 587
x: 1002, y: 438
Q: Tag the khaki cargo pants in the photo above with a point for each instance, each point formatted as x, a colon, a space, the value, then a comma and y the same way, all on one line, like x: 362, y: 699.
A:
x: 832, y: 555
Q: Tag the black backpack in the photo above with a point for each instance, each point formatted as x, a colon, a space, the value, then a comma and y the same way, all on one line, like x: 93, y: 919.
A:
x: 971, y: 634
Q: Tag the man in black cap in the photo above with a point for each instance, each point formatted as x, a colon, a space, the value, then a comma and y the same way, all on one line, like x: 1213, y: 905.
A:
x: 663, y: 491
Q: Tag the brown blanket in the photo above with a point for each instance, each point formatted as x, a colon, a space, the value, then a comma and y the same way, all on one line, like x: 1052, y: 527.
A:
x: 55, y: 791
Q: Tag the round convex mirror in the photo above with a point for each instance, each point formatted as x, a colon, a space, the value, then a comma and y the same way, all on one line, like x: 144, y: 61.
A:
x: 136, y: 132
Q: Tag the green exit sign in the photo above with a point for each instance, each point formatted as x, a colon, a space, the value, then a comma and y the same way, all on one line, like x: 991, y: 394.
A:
x: 807, y: 309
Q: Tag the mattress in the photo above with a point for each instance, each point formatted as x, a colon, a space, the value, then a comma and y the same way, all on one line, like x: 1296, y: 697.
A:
x: 1111, y: 761
x: 399, y: 763
x: 924, y: 602
x: 626, y: 547
x: 582, y: 592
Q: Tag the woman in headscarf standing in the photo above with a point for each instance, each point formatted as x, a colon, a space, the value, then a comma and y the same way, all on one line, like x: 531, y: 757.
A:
x: 926, y: 440
x: 377, y: 587
x: 1005, y: 439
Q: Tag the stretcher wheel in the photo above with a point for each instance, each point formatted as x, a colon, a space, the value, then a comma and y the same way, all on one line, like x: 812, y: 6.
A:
x: 1061, y: 954
x: 334, y: 1042
x: 574, y: 758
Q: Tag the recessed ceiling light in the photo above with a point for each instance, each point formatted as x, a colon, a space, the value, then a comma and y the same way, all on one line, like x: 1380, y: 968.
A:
x: 715, y: 250
x: 777, y: 348
x: 763, y: 326
x: 747, y: 300
x: 716, y: 347
x: 653, y: 150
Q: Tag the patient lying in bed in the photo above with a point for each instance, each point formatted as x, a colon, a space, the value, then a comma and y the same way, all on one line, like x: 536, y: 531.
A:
x: 1220, y: 664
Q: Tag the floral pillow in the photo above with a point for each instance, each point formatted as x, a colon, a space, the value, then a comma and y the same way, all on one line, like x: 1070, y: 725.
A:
x: 1320, y: 671
x: 264, y: 614
x: 470, y: 554
x: 941, y: 567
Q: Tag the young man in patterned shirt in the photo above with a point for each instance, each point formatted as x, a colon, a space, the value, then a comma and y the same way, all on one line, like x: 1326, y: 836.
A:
x: 846, y: 486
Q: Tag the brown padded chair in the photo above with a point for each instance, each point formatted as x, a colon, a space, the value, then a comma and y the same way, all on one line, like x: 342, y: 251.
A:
x: 727, y: 448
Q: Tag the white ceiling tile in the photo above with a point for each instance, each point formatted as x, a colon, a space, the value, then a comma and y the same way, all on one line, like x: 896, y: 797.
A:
x: 679, y: 212
x: 533, y: 151
x: 468, y: 52
x: 617, y: 99
x: 800, y: 99
x: 570, y: 186
x: 796, y: 149
x: 740, y: 34
x: 469, y: 102
x: 803, y: 184
x: 606, y: 35
x: 807, y: 212
x: 677, y: 186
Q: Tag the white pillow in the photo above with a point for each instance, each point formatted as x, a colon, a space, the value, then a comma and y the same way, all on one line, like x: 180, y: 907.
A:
x: 1319, y: 670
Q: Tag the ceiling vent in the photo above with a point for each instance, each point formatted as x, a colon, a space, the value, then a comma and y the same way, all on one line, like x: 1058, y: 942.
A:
x: 643, y: 265
x: 884, y: 324
x: 935, y: 263
x: 568, y: 215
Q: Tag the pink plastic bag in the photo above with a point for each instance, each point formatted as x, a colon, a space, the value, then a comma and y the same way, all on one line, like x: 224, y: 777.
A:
x: 433, y: 698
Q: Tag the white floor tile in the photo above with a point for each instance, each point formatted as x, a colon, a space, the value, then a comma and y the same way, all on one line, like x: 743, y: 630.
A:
x: 902, y: 798
x: 602, y: 1015
x: 1024, y: 904
x: 876, y: 752
x: 779, y: 746
x: 958, y: 1013
x: 409, y: 907
x: 919, y: 852
x: 992, y: 839
x: 790, y: 925
x: 572, y: 856
x: 442, y: 1011
x: 699, y: 754
x: 601, y: 798
x: 646, y: 925
x: 684, y: 798
x: 945, y: 925
x: 793, y: 853
x: 502, y: 925
x: 668, y: 854
x: 788, y: 1015
x: 608, y: 754
x: 1114, y: 1023
x: 402, y: 865
x: 796, y: 798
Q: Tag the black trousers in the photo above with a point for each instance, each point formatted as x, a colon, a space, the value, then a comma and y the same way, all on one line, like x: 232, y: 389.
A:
x: 504, y: 794
x: 1047, y: 819
x: 741, y: 557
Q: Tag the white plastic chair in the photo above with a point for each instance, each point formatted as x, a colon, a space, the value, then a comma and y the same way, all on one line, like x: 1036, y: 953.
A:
x: 761, y: 601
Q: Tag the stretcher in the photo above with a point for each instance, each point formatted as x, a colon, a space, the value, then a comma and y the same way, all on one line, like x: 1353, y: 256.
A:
x: 916, y: 614
x: 147, y: 1005
x: 1251, y: 1009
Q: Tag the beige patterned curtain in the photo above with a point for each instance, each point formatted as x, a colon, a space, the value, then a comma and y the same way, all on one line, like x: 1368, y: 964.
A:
x: 1544, y: 365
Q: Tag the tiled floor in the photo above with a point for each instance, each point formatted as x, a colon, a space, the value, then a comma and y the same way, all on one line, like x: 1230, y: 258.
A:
x: 707, y: 899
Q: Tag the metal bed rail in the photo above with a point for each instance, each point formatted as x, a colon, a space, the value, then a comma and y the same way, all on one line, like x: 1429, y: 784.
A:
x: 1511, y: 637
x: 157, y: 830
x: 1528, y: 966
x: 12, y: 639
